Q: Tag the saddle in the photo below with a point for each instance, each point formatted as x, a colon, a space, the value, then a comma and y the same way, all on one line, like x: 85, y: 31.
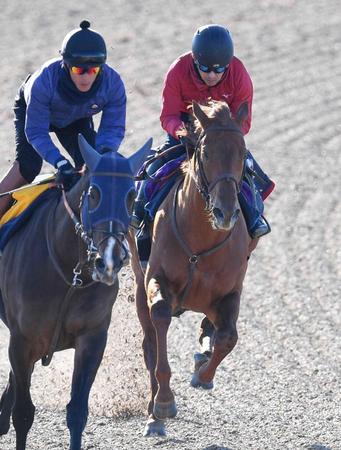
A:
x: 160, y: 184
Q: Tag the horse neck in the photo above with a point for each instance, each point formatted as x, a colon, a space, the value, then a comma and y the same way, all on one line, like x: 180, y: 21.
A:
x: 67, y: 243
x: 193, y: 219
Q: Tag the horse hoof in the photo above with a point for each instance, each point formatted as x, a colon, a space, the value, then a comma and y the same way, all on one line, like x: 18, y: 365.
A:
x: 165, y: 410
x: 196, y: 383
x: 154, y: 427
x: 4, y: 427
x: 199, y: 360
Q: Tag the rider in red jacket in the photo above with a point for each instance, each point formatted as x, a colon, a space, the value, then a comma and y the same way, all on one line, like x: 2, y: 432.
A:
x: 209, y: 71
x: 185, y: 82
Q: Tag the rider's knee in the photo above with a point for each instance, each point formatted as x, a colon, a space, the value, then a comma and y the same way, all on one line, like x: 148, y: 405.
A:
x: 30, y: 167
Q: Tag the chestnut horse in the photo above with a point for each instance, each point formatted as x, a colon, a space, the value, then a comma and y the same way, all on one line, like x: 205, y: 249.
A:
x: 199, y: 256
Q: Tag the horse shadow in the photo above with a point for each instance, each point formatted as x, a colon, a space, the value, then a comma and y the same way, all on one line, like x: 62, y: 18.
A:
x: 318, y: 447
x: 216, y: 447
x: 309, y: 447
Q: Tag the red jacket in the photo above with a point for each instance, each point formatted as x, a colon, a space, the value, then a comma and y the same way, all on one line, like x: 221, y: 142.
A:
x: 183, y: 84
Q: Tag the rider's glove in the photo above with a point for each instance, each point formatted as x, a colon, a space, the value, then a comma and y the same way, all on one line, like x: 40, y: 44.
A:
x: 66, y: 173
x: 181, y: 131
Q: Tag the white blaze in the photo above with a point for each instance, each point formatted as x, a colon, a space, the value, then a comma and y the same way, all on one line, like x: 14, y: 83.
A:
x: 108, y: 255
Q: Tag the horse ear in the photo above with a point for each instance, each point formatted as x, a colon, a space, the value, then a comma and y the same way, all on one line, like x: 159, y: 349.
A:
x: 200, y: 115
x: 242, y: 113
x: 90, y: 156
x: 136, y: 160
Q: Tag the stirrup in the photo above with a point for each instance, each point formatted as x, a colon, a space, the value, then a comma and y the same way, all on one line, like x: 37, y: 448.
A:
x: 261, y: 230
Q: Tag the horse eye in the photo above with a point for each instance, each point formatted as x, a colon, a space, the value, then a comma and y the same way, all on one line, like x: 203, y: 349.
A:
x: 94, y: 197
x: 130, y: 201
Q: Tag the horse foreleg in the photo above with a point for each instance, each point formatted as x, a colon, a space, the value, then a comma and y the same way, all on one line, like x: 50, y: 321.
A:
x: 149, y: 353
x: 154, y: 425
x: 89, y: 351
x: 6, y: 404
x: 206, y: 337
x: 225, y: 339
x: 23, y: 408
x: 161, y: 316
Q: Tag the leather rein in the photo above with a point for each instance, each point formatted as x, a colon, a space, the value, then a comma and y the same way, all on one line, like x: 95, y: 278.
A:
x: 77, y: 283
x: 203, y: 185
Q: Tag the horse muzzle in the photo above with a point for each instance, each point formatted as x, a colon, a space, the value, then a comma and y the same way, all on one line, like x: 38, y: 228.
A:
x: 224, y: 221
x: 115, y: 256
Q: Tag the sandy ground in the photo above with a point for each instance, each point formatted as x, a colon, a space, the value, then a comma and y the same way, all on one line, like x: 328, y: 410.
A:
x: 280, y: 388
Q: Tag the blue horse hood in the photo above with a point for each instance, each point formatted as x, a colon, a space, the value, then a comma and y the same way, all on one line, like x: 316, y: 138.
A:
x: 112, y: 175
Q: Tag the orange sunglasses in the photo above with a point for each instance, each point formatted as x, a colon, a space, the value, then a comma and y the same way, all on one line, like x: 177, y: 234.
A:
x: 81, y: 70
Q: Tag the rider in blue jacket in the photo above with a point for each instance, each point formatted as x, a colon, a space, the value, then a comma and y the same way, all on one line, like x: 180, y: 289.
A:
x: 61, y: 97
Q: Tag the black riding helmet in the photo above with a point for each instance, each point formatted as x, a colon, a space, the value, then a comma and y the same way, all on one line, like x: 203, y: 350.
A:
x: 212, y: 46
x: 83, y: 47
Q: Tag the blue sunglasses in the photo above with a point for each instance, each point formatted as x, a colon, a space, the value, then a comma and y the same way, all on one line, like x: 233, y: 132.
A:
x: 210, y: 69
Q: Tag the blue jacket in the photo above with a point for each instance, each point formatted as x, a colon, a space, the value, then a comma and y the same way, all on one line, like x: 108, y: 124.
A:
x: 46, y: 107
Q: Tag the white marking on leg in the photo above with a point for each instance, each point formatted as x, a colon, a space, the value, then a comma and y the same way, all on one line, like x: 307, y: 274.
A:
x: 206, y: 345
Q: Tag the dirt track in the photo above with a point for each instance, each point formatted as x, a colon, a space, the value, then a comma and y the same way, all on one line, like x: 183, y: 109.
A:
x: 280, y: 388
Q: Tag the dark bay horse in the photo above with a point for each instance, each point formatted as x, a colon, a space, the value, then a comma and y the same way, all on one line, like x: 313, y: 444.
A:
x: 58, y: 278
x: 199, y: 257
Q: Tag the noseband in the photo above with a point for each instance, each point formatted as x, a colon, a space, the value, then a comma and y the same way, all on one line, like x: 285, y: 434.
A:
x: 203, y: 185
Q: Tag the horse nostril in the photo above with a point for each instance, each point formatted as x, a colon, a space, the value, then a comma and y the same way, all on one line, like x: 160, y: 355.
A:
x: 99, y: 263
x: 218, y: 214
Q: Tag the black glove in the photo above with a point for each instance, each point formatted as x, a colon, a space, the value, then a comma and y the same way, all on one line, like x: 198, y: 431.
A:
x: 66, y: 174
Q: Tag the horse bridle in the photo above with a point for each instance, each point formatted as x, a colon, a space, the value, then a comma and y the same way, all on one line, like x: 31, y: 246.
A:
x: 87, y: 235
x: 203, y: 185
x: 77, y: 282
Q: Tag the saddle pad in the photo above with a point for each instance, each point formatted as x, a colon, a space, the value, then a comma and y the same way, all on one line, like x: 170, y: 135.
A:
x: 157, y: 189
x: 27, y: 208
x: 161, y: 177
x: 23, y: 199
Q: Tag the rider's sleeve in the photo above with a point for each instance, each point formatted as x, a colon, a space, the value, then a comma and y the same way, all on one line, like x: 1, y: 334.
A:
x: 37, y: 123
x: 242, y: 92
x: 112, y: 127
x: 172, y: 103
